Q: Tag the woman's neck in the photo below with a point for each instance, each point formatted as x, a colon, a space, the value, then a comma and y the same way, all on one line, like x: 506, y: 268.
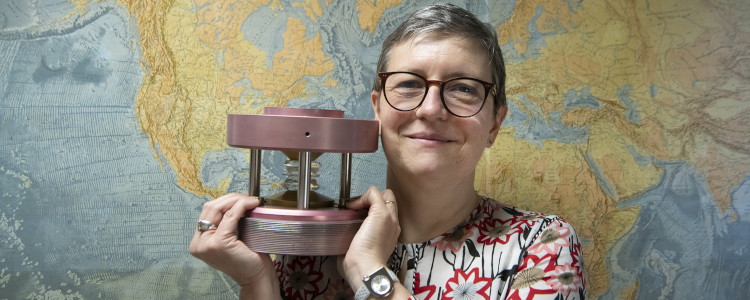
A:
x: 428, y: 208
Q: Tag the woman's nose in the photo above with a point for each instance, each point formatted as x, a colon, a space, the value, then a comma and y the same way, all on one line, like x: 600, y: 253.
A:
x: 432, y: 106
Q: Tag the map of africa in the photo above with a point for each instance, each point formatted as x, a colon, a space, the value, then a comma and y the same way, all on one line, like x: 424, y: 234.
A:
x: 630, y: 119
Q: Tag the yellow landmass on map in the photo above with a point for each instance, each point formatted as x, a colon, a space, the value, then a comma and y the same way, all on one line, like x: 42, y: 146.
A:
x: 630, y: 292
x: 680, y: 63
x: 555, y: 15
x: 609, y: 136
x: 617, y: 164
x: 724, y: 169
x: 312, y: 8
x: 259, y: 64
x: 275, y: 5
x: 194, y: 61
x: 369, y: 14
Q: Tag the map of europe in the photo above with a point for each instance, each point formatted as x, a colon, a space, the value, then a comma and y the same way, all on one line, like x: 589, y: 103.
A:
x: 630, y: 119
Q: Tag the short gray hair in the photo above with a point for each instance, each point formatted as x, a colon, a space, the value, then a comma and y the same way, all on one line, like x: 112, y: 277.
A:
x: 447, y: 21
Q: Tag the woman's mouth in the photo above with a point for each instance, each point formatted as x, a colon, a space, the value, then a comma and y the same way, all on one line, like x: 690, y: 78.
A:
x: 429, y: 138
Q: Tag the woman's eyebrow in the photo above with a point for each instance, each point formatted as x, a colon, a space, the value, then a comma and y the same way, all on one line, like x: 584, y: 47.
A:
x: 450, y: 75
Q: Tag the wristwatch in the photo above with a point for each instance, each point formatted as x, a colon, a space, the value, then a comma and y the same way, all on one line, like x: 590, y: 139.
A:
x: 379, y: 284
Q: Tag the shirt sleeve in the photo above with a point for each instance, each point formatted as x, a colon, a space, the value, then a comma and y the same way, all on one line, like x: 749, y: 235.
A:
x: 552, y: 265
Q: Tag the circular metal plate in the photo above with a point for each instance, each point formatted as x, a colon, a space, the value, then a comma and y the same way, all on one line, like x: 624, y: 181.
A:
x: 302, y: 130
x: 311, y: 215
x: 300, y: 232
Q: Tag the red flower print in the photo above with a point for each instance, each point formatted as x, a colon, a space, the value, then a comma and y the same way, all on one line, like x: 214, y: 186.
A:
x: 454, y: 240
x: 529, y: 293
x: 302, y: 279
x: 491, y: 208
x: 279, y: 268
x: 551, y: 240
x: 492, y: 205
x: 526, y: 219
x: 497, y: 231
x: 338, y: 290
x: 540, y: 262
x: 467, y: 286
x: 421, y: 290
x: 565, y: 278
x: 576, y: 254
x: 305, y: 259
x: 529, y: 281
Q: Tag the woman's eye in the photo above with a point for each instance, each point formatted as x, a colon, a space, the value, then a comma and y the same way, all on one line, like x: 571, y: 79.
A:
x: 408, y: 85
x: 464, y: 89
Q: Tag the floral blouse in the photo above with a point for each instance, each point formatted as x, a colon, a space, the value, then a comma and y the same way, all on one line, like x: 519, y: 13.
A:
x: 498, y: 252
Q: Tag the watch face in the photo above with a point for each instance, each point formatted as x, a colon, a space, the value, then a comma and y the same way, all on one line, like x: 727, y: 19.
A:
x: 381, y: 284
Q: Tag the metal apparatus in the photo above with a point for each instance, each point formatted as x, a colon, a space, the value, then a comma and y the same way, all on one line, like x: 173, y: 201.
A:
x: 300, y: 221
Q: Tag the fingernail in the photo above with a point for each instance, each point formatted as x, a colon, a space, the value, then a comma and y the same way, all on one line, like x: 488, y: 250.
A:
x: 352, y: 199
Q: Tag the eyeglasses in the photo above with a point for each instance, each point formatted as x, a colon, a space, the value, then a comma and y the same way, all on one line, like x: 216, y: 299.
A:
x: 462, y: 97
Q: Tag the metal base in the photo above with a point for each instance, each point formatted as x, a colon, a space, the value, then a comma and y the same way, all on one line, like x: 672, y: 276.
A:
x: 300, y: 232
x: 288, y: 199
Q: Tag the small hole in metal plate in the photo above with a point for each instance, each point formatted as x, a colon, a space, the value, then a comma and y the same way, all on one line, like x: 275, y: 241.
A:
x: 307, y: 133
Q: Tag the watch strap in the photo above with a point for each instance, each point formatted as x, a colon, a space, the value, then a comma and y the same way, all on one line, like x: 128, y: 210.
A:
x: 363, y: 292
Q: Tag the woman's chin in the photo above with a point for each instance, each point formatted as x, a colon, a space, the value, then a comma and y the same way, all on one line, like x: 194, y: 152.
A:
x: 429, y: 169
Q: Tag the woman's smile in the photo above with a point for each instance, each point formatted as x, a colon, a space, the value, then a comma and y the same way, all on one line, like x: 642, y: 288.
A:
x: 429, y: 139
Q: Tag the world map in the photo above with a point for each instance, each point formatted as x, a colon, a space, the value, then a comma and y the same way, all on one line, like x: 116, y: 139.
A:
x: 630, y: 119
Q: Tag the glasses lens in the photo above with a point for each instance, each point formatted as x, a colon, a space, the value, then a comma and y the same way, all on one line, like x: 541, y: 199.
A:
x: 464, y: 97
x: 404, y: 91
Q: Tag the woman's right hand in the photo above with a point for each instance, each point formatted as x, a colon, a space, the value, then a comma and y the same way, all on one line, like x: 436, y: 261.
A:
x: 221, y: 249
x: 376, y: 238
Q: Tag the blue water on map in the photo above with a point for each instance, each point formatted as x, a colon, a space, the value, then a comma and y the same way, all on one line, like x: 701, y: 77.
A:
x: 680, y: 244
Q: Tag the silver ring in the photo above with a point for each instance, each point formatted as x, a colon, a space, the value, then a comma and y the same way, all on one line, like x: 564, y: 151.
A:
x: 204, y: 225
x: 386, y: 202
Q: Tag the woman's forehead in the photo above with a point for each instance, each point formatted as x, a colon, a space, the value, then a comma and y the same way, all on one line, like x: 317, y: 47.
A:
x: 461, y: 56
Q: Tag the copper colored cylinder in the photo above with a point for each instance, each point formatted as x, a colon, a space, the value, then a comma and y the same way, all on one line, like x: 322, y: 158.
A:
x: 316, y: 225
x: 300, y: 232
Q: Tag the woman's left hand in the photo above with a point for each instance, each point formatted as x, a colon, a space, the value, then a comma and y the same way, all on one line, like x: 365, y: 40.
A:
x: 374, y: 242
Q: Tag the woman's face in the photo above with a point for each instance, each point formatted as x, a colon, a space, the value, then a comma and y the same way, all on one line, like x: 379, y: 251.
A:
x: 429, y: 141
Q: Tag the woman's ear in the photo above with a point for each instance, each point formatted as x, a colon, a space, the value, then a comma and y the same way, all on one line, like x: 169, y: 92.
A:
x: 502, y: 111
x: 376, y: 107
x: 375, y: 104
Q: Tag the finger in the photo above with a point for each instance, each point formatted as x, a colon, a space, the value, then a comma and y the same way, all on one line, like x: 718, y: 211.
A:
x: 390, y: 202
x: 213, y: 211
x: 194, y: 243
x: 365, y: 200
x: 229, y: 221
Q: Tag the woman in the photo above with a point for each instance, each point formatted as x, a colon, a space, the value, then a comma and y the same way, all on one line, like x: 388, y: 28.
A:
x: 429, y: 234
